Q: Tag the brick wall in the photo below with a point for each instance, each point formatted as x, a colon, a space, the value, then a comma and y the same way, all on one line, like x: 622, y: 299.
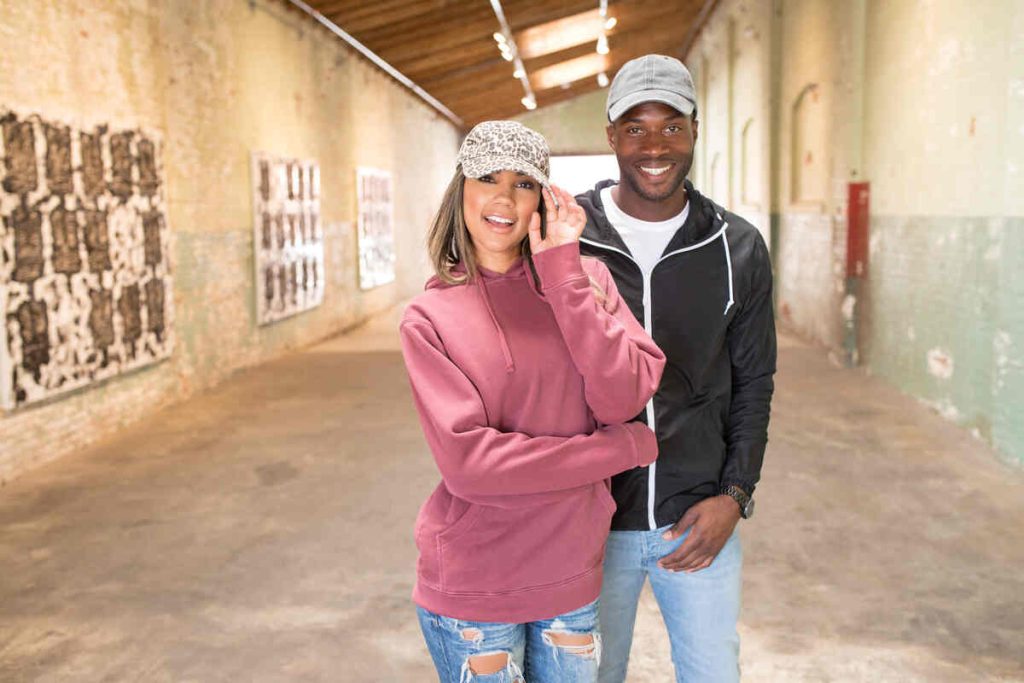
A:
x: 216, y: 80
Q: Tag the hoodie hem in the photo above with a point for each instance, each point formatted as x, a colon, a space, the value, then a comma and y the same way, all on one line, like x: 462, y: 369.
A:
x: 514, y: 607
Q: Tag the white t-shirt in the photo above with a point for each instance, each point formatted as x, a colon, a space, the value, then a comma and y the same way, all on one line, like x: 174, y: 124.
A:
x: 646, y: 240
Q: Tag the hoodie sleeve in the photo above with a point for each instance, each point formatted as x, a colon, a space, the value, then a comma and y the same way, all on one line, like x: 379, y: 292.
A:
x: 620, y: 363
x: 478, y: 460
x: 752, y: 350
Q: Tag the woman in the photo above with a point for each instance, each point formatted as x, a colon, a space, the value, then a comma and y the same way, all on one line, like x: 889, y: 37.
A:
x: 525, y: 368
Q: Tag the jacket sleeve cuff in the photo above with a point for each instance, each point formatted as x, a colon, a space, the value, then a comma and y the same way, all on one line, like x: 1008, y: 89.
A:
x: 746, y: 485
x: 558, y: 265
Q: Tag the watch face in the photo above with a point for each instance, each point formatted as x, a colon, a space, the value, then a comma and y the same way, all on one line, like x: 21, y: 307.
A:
x: 748, y: 510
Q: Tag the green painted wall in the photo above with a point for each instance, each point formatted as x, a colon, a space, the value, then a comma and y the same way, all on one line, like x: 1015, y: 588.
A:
x: 946, y: 298
x: 943, y: 146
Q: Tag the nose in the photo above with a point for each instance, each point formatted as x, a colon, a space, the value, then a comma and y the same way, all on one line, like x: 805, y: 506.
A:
x: 653, y: 145
x: 506, y: 191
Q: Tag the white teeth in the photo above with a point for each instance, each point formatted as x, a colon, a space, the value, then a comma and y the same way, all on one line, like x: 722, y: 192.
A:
x: 499, y: 219
x: 654, y: 171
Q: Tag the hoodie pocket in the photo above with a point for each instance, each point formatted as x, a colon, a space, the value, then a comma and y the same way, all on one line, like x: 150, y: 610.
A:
x: 506, y: 550
x: 461, y: 526
x: 441, y: 520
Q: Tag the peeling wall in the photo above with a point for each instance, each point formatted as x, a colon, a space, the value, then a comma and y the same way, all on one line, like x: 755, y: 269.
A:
x: 217, y: 80
x: 924, y: 99
x: 944, y: 150
x: 731, y: 66
x: 819, y: 90
x: 936, y: 125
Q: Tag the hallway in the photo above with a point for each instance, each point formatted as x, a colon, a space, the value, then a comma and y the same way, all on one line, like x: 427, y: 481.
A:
x: 263, y: 532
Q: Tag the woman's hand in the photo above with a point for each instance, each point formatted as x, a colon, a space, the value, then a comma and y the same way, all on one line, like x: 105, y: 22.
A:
x: 564, y: 224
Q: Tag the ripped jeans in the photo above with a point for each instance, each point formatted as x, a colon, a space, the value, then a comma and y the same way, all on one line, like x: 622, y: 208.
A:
x: 565, y: 649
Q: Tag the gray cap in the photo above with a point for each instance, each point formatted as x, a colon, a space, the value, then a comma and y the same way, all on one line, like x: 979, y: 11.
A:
x: 651, y: 78
x: 494, y: 146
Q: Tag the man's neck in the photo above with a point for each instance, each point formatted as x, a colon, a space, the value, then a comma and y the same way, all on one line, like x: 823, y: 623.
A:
x: 652, y: 211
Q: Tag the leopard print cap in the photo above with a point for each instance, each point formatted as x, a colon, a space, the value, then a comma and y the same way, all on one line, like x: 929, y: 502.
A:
x: 505, y: 146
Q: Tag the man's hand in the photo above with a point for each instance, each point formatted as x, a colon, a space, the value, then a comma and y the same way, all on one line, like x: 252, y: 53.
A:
x: 711, y: 522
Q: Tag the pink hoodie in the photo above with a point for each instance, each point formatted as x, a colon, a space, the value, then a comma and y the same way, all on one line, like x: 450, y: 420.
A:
x: 523, y: 398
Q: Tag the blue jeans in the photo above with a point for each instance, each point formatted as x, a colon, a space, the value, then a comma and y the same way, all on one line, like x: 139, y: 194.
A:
x: 530, y: 647
x: 700, y: 609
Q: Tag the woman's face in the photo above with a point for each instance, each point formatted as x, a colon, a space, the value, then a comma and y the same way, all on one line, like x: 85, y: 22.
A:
x: 498, y: 208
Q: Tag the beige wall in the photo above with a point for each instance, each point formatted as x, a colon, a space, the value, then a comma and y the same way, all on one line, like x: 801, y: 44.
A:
x: 576, y: 126
x: 216, y: 80
x: 926, y: 102
x: 731, y: 66
x: 950, y: 140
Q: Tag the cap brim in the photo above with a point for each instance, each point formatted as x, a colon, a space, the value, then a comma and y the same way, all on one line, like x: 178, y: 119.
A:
x: 674, y: 100
x: 477, y: 168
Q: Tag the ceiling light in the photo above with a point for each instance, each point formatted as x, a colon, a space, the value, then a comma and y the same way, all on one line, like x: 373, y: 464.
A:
x: 610, y: 24
x: 510, y: 53
x: 560, y: 34
x: 602, y: 45
x: 602, y: 79
x: 570, y: 71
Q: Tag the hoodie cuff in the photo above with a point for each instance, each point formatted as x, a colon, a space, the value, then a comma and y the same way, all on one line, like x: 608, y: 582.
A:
x: 558, y: 265
x: 645, y: 441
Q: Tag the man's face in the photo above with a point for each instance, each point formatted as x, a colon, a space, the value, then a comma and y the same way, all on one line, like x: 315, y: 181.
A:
x: 654, y: 146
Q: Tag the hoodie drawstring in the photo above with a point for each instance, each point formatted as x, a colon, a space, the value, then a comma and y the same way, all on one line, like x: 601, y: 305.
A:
x: 510, y: 366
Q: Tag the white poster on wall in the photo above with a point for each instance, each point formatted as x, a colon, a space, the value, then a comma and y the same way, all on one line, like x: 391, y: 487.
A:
x: 287, y: 236
x: 85, y: 278
x: 375, y: 227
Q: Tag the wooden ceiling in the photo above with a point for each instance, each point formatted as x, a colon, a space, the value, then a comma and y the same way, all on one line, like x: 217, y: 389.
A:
x: 447, y: 46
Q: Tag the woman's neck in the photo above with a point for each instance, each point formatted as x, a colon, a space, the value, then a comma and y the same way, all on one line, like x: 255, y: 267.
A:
x: 497, y: 263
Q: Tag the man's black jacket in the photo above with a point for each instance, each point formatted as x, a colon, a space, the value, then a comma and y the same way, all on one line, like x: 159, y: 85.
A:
x: 711, y: 313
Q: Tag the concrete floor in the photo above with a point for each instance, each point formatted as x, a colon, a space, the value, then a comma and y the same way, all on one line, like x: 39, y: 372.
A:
x: 263, y: 532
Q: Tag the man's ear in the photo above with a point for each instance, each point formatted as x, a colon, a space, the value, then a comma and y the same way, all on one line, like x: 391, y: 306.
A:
x: 695, y: 125
x: 610, y: 130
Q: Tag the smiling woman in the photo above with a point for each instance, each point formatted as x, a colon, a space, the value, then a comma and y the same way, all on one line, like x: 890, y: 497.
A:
x: 499, y: 208
x: 525, y: 382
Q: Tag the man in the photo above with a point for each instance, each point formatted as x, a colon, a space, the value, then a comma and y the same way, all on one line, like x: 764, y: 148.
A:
x: 700, y: 280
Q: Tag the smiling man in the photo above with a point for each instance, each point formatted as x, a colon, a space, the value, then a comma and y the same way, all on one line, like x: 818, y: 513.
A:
x: 699, y: 278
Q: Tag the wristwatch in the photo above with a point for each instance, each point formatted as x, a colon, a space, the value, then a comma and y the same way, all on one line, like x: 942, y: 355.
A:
x: 742, y: 499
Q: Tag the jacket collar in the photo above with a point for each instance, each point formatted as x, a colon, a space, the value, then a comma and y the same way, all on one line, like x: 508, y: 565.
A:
x: 704, y: 219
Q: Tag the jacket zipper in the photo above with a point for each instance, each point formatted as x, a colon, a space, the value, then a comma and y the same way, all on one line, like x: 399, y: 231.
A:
x: 648, y: 301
